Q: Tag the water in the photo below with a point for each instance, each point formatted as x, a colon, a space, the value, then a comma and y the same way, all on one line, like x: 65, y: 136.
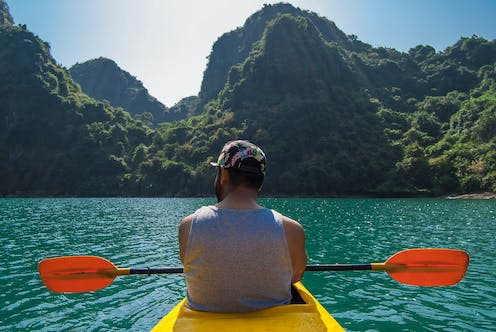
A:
x: 143, y: 232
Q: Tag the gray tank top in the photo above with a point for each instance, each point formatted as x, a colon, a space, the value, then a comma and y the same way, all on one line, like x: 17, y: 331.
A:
x: 237, y: 260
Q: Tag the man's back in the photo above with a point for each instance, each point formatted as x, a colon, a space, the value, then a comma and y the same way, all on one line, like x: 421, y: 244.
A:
x: 237, y: 260
x: 238, y: 256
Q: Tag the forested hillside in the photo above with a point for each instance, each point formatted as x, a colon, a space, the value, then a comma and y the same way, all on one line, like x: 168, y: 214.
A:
x: 53, y: 138
x: 234, y: 47
x: 339, y: 116
x: 335, y: 116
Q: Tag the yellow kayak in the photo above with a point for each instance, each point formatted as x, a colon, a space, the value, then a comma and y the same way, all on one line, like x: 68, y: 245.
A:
x: 308, y: 316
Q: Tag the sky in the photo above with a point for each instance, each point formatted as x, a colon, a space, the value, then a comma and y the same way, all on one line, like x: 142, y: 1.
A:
x: 165, y: 43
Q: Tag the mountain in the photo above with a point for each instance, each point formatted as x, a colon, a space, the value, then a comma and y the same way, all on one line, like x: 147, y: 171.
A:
x: 103, y: 79
x: 295, y: 96
x: 56, y: 140
x: 5, y: 17
x: 337, y: 116
x: 233, y: 47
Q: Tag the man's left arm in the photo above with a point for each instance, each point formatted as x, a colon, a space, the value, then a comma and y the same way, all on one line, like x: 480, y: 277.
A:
x: 295, y: 236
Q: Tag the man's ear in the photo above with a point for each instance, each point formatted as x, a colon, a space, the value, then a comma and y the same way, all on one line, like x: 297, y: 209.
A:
x: 224, y: 176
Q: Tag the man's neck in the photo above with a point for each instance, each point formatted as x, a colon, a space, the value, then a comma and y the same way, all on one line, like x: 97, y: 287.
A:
x: 240, y: 199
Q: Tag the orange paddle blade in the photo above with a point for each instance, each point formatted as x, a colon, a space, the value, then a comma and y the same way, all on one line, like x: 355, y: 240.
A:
x: 428, y: 267
x: 73, y: 274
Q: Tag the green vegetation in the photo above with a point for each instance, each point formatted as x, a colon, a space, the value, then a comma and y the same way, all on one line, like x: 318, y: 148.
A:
x: 54, y: 139
x: 335, y: 116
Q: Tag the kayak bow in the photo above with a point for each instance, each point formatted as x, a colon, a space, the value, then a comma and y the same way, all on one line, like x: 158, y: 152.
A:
x: 308, y: 316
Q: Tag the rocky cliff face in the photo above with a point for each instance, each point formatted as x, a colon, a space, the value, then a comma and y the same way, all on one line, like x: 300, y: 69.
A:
x: 5, y: 17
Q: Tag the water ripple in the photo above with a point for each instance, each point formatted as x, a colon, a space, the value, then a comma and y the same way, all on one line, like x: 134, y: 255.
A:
x: 143, y: 232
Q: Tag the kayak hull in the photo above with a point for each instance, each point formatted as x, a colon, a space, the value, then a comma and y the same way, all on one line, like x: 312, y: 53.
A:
x: 310, y: 316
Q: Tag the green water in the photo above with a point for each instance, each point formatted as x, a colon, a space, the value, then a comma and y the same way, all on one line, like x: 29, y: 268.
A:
x: 142, y: 232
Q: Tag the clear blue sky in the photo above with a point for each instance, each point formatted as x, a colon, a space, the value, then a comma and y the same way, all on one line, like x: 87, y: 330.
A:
x: 165, y: 42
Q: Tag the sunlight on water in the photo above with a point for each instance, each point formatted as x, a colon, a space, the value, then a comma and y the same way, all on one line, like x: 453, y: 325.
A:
x: 143, y: 232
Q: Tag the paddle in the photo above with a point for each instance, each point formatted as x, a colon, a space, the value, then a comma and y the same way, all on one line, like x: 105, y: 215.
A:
x: 419, y: 267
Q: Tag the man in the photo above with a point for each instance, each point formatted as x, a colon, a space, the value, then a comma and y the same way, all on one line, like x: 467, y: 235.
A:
x: 239, y: 256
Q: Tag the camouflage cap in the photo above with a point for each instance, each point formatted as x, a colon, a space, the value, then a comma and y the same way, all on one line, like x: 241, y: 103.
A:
x: 235, y: 152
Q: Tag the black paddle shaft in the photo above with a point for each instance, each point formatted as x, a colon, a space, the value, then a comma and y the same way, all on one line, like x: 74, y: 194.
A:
x: 338, y: 267
x: 318, y: 267
x: 164, y: 270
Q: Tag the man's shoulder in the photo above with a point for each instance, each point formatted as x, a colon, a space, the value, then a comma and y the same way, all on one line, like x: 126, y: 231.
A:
x: 186, y: 220
x: 189, y: 219
x: 291, y: 224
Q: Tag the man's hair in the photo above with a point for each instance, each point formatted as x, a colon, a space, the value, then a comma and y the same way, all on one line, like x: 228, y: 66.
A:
x: 247, y: 179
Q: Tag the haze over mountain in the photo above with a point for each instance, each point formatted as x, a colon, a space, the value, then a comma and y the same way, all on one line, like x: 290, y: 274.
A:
x: 103, y: 79
x: 335, y: 116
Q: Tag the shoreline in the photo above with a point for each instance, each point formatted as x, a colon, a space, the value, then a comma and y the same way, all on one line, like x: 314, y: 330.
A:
x: 470, y: 196
x: 484, y: 196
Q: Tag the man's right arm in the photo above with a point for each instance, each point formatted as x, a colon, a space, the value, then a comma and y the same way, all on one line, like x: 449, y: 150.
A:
x: 184, y: 228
